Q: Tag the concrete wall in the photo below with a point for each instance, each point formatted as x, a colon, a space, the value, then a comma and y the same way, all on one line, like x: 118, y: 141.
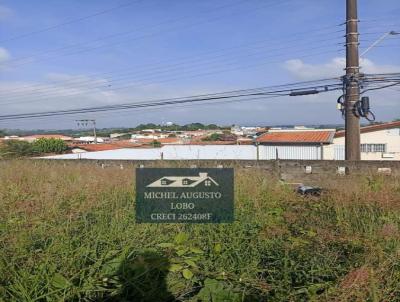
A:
x: 304, y: 171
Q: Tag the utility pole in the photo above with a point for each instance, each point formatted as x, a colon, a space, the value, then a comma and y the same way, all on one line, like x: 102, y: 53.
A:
x: 85, y: 123
x: 94, y: 131
x: 352, y: 124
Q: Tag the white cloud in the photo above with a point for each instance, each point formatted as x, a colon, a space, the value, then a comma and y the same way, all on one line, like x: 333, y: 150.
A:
x: 333, y: 68
x: 4, y: 55
x: 385, y: 103
x: 63, y: 91
x: 5, y: 12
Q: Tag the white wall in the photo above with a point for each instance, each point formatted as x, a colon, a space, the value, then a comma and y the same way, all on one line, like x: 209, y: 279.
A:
x: 194, y: 152
x: 390, y: 137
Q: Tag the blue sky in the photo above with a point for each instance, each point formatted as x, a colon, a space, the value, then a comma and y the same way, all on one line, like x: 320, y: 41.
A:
x: 68, y: 54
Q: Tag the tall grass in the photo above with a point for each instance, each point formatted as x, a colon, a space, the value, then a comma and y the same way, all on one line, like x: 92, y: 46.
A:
x: 68, y: 233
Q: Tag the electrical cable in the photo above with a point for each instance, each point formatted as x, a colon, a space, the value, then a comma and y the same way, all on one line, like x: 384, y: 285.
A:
x: 163, y: 102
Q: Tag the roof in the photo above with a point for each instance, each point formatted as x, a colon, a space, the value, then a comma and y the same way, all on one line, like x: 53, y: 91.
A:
x: 164, y: 140
x: 297, y: 137
x: 372, y: 128
x: 37, y: 136
x: 177, y: 181
x: 104, y: 147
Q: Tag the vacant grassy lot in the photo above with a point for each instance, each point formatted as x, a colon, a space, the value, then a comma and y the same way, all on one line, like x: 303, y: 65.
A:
x: 68, y: 233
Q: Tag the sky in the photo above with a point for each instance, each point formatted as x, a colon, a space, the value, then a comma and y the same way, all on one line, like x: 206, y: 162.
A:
x: 65, y: 54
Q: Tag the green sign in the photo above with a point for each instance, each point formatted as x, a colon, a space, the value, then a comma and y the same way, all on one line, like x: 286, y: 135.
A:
x: 184, y: 195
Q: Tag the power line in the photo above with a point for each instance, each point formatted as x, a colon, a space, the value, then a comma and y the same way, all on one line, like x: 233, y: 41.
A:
x: 189, y: 59
x: 182, y: 75
x: 173, y: 101
x: 169, y: 106
x: 106, y: 83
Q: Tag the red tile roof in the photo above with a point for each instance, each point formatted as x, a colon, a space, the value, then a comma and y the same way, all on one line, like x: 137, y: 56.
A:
x: 372, y: 128
x: 97, y: 147
x: 297, y: 137
x: 105, y: 147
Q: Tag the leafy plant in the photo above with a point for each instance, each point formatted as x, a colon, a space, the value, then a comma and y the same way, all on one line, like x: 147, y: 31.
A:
x: 49, y: 145
x: 185, y: 258
x: 215, y: 291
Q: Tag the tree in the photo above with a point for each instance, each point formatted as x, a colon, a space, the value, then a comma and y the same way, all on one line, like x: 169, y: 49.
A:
x: 155, y: 144
x: 49, y: 145
x: 213, y: 137
x: 2, y: 133
x: 16, y: 149
x: 212, y: 127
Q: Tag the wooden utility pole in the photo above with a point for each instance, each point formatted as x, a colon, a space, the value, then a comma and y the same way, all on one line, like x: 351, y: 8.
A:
x: 352, y: 124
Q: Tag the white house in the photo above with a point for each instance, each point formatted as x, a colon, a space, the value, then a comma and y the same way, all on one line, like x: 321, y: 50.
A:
x: 90, y: 139
x: 378, y: 142
x: 303, y: 143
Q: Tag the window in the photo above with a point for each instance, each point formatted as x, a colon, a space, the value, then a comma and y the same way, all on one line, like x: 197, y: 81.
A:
x: 185, y: 182
x: 373, y: 148
x: 207, y: 183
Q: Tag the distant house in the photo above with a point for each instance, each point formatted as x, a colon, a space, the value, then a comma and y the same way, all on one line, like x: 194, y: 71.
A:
x: 81, y: 148
x: 297, y: 137
x: 184, y: 181
x: 162, y: 141
x: 12, y: 137
x: 119, y: 135
x: 295, y: 143
x: 90, y: 139
x: 32, y: 138
x: 378, y: 142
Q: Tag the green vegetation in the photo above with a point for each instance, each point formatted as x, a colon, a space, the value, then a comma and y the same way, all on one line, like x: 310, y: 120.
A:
x: 213, y: 137
x: 17, y: 149
x: 2, y: 133
x: 155, y: 144
x: 124, y: 137
x: 49, y: 145
x: 175, y: 127
x: 67, y: 233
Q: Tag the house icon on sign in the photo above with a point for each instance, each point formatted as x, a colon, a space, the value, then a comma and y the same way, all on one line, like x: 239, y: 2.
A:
x: 184, y: 181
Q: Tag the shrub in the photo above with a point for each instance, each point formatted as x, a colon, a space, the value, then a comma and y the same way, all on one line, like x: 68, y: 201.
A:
x: 15, y: 149
x: 155, y: 144
x: 213, y: 137
x: 49, y: 145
